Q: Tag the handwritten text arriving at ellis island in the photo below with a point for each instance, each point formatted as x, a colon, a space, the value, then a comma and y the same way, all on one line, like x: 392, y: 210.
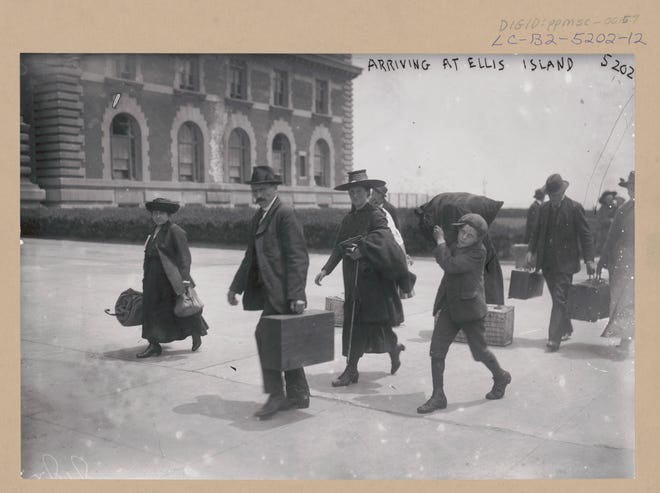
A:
x: 455, y: 63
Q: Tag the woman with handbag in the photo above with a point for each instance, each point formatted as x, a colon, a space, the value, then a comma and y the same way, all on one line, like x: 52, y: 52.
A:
x: 167, y: 283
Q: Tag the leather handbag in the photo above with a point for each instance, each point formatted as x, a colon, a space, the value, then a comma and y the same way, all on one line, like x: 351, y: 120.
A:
x: 188, y: 304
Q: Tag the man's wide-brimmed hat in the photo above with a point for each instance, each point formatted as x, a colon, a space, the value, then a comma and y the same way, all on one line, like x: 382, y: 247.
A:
x: 539, y: 194
x: 555, y: 184
x: 264, y: 175
x: 359, y: 178
x: 474, y: 220
x: 601, y: 200
x: 162, y: 204
x: 631, y: 180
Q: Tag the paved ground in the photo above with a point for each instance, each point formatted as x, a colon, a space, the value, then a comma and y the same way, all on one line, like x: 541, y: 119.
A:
x: 90, y: 409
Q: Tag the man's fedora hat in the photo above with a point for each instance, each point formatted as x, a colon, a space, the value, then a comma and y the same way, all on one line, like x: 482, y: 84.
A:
x: 162, y: 204
x: 474, y: 220
x: 601, y: 200
x: 264, y: 175
x: 555, y: 184
x: 359, y: 178
x: 631, y: 180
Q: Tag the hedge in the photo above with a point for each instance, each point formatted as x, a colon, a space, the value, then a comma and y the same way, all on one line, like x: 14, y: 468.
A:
x: 230, y: 227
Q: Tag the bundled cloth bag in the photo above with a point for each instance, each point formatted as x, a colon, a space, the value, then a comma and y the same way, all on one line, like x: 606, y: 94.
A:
x: 128, y: 308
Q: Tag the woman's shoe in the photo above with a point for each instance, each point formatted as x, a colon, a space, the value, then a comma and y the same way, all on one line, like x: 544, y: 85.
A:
x: 197, y: 341
x: 395, y: 359
x: 345, y: 379
x: 153, y: 349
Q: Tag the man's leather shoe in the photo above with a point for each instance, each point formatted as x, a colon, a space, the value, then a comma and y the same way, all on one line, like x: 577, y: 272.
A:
x: 437, y: 401
x: 499, y: 386
x: 152, y: 350
x: 395, y: 358
x: 197, y: 341
x: 552, y: 346
x: 298, y: 401
x: 348, y: 377
x: 275, y: 402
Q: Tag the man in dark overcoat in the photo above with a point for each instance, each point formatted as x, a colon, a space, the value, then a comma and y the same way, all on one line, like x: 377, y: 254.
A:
x: 272, y: 278
x: 555, y: 247
x: 533, y: 213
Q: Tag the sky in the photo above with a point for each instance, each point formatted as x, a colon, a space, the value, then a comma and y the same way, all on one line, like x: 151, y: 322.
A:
x: 500, y: 133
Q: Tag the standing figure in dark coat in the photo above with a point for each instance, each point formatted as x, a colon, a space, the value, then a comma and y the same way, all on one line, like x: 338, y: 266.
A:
x: 446, y: 209
x: 167, y: 242
x: 373, y: 267
x: 533, y: 213
x: 619, y: 259
x: 462, y: 305
x: 604, y: 216
x: 378, y: 197
x: 272, y: 278
x: 555, y: 249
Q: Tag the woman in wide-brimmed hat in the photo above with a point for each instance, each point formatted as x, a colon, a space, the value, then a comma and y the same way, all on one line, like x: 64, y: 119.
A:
x: 166, y: 248
x: 373, y: 267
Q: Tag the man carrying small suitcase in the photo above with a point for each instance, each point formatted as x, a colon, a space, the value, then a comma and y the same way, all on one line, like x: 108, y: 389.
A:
x: 561, y: 234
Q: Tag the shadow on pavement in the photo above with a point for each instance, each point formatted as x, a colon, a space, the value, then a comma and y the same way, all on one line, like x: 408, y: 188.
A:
x: 580, y: 350
x: 128, y: 354
x: 239, y: 413
x: 408, y: 403
x: 424, y: 336
x: 366, y: 383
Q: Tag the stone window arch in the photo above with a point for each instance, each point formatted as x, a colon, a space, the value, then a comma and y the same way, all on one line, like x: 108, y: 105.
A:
x: 321, y: 163
x: 322, y: 133
x: 281, y: 127
x: 239, y: 156
x: 189, y: 114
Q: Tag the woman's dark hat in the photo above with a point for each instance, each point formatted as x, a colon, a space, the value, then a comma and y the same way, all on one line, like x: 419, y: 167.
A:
x: 601, y: 200
x: 161, y: 204
x: 555, y: 184
x: 539, y: 194
x: 264, y: 175
x: 359, y: 178
x: 631, y: 180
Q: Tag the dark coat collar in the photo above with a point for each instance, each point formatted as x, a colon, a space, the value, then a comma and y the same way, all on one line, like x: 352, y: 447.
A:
x: 261, y: 226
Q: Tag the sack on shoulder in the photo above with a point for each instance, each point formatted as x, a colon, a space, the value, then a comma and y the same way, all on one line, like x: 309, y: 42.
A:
x: 188, y: 304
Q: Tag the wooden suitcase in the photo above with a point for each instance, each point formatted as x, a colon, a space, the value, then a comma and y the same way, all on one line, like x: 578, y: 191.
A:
x: 297, y: 340
x: 519, y: 254
x: 498, y: 324
x: 525, y: 284
x: 589, y: 300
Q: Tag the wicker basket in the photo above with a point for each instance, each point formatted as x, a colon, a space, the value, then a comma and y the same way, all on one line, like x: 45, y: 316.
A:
x: 335, y: 304
x: 498, y: 324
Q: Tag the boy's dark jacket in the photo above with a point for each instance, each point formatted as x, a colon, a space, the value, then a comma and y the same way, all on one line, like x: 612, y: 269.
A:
x: 461, y: 290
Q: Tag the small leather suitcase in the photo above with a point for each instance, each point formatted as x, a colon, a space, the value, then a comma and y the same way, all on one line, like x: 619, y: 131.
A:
x: 525, y: 284
x: 589, y: 300
x: 498, y: 324
x: 519, y: 254
x: 293, y: 341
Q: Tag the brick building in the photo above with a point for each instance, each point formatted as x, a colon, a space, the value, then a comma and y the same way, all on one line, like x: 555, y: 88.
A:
x: 113, y: 130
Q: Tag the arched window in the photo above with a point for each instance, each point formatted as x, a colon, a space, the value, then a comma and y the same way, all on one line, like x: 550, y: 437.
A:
x: 282, y: 158
x: 125, y: 148
x: 191, y: 153
x: 239, y: 156
x: 322, y: 163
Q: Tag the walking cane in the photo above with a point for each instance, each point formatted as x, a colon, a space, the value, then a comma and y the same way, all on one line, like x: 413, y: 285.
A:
x: 350, y: 331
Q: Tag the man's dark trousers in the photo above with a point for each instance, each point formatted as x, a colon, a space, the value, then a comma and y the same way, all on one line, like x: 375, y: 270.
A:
x: 560, y: 322
x: 296, y: 383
